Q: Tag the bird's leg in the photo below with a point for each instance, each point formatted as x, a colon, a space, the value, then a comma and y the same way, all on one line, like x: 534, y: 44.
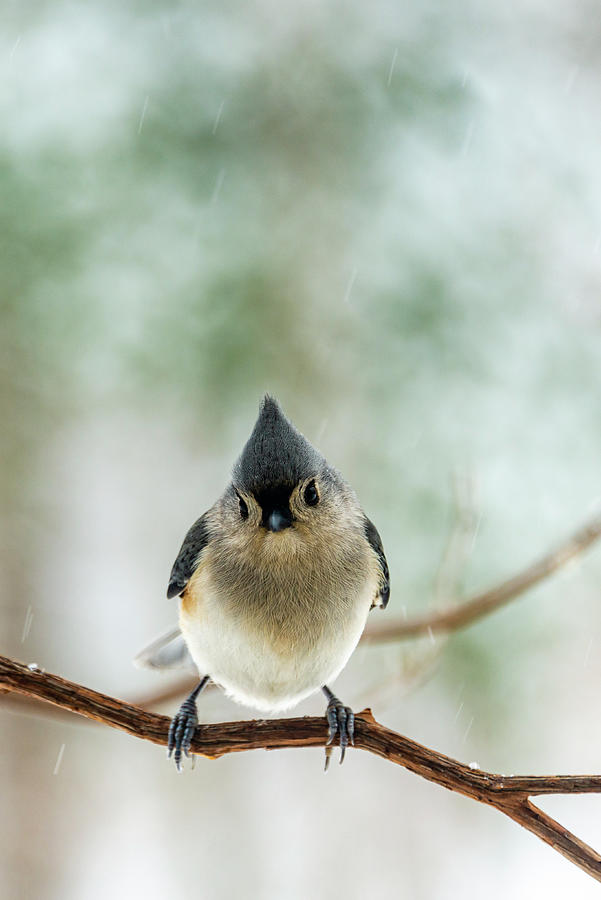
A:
x: 183, y: 725
x: 341, y: 720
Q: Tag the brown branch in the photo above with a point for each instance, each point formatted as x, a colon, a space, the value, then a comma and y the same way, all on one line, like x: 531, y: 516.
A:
x: 510, y: 795
x: 174, y: 690
x: 483, y: 604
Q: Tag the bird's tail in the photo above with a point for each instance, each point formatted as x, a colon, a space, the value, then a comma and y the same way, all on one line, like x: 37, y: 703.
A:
x: 169, y: 651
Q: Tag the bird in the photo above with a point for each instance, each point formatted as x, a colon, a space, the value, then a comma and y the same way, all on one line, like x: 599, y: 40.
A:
x: 275, y: 582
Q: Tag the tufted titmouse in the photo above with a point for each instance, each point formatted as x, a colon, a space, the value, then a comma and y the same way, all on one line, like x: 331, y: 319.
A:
x: 276, y: 581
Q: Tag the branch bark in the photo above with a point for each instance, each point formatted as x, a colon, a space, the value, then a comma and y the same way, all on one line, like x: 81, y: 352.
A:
x: 510, y: 795
x: 482, y: 604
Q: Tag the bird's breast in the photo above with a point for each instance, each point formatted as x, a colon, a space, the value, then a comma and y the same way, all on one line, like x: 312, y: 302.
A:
x: 273, y: 633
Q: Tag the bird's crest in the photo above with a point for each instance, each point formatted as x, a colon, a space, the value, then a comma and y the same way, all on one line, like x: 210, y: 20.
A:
x: 275, y: 453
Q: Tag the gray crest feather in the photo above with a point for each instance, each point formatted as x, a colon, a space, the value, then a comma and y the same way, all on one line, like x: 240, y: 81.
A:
x: 275, y: 453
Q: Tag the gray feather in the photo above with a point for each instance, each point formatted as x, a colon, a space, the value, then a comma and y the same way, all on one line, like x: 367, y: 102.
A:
x: 275, y: 453
x: 375, y: 541
x: 187, y: 559
x: 169, y: 651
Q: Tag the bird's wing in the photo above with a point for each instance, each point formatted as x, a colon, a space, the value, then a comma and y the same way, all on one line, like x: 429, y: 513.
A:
x: 188, y: 557
x: 168, y: 651
x: 375, y: 542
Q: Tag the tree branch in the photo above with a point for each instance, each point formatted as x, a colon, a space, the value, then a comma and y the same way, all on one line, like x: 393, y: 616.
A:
x: 482, y: 604
x: 510, y: 795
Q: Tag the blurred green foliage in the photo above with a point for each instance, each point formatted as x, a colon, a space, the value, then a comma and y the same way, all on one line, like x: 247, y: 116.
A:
x: 388, y: 215
x: 345, y: 206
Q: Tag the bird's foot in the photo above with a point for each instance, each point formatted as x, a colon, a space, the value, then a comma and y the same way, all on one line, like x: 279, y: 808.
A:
x: 181, y: 731
x: 183, y: 725
x: 341, y: 721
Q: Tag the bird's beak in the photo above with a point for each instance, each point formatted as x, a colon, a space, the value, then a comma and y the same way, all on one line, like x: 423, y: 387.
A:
x: 278, y: 519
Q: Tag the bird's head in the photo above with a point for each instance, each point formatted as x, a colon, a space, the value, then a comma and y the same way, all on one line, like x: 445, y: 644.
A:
x: 283, y: 489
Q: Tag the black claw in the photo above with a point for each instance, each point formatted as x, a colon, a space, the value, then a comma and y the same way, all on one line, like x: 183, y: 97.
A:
x: 350, y: 726
x: 341, y: 720
x: 332, y: 717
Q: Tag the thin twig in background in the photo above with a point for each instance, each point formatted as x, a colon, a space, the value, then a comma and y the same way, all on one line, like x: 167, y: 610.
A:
x: 508, y: 794
x: 483, y: 604
x: 413, y: 665
x: 460, y: 542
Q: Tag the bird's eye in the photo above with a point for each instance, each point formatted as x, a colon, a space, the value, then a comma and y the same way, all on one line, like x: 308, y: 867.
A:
x: 310, y: 495
x: 243, y: 508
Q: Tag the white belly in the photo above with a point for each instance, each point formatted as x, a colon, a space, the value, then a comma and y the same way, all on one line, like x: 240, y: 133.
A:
x: 267, y: 665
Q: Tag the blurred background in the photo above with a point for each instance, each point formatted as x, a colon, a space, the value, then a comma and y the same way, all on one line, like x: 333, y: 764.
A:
x: 388, y: 215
